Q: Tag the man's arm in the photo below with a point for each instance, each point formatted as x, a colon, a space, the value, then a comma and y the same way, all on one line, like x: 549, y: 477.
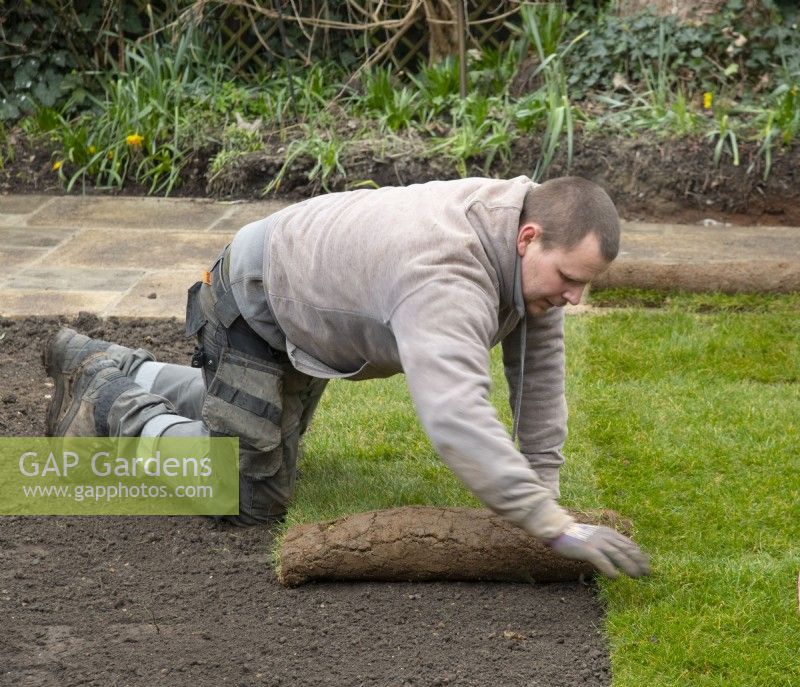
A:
x: 542, y: 425
x: 443, y: 333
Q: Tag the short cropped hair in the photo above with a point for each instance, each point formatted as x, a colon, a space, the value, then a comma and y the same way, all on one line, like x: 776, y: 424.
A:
x: 569, y: 208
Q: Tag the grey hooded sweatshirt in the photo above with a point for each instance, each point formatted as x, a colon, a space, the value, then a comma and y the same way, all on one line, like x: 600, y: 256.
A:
x: 424, y: 280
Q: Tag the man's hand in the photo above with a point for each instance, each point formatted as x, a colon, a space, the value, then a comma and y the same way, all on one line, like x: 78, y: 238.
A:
x: 606, y: 549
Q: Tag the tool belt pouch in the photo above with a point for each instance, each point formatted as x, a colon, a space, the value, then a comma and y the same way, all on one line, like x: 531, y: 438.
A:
x: 195, y: 319
x: 244, y: 392
x: 244, y: 399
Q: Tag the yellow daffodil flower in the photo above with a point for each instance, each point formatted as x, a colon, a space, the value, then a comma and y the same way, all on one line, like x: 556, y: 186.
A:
x: 708, y: 99
x: 134, y: 140
x: 57, y: 165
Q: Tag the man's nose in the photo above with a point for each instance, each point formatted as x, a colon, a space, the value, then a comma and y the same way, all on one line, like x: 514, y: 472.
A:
x: 573, y: 294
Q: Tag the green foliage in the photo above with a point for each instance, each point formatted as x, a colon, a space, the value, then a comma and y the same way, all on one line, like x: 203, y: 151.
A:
x: 592, y: 70
x: 323, y: 149
x: 680, y: 118
x: 315, y: 90
x: 779, y: 120
x: 786, y: 106
x: 438, y: 86
x: 236, y: 142
x: 378, y: 89
x: 52, y: 52
x: 476, y: 132
x: 6, y: 147
x: 728, y: 49
x: 491, y: 70
x: 530, y: 111
x: 33, y: 70
x: 145, y: 121
x: 543, y: 27
x: 725, y: 138
x: 400, y: 110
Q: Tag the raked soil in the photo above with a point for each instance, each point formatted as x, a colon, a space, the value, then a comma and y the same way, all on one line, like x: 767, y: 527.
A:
x: 184, y: 601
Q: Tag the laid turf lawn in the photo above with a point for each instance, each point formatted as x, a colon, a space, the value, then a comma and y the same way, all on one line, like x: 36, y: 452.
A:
x: 684, y: 418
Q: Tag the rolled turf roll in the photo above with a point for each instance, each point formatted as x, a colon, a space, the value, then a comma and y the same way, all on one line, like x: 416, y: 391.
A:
x: 421, y: 543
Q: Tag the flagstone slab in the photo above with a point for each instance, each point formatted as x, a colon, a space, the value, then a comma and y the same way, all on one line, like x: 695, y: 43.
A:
x: 124, y: 212
x: 244, y: 213
x: 39, y: 237
x: 147, y: 250
x: 53, y: 278
x: 12, y: 257
x: 29, y: 302
x: 687, y: 243
x: 158, y: 294
x: 21, y: 205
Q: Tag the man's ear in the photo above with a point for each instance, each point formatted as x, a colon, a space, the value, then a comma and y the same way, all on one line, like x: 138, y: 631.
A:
x: 528, y: 233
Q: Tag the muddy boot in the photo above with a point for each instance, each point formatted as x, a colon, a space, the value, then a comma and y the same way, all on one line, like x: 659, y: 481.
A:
x: 93, y: 387
x: 66, y: 352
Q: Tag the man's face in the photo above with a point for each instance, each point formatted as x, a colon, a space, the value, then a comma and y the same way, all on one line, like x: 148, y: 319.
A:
x: 555, y: 277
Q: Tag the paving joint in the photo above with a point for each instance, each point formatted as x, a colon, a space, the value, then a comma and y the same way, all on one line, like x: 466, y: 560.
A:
x: 41, y: 207
x: 228, y: 214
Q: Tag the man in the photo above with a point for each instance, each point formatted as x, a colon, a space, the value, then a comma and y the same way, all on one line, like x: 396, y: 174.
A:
x: 423, y: 279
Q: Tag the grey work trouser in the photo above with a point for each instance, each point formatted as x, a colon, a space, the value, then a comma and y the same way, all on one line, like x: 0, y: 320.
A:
x: 243, y: 388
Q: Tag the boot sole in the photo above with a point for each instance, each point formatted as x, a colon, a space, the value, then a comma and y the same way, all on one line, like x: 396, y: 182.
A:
x: 53, y: 365
x: 81, y: 383
x: 63, y: 370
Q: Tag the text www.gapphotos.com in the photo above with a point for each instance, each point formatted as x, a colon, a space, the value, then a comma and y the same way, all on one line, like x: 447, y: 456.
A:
x: 110, y: 492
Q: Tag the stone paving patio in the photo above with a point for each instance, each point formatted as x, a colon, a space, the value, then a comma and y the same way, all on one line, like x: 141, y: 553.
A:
x: 129, y: 257
x: 135, y: 257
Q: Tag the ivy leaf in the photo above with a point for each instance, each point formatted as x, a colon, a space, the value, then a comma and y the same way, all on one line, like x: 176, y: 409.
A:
x: 731, y: 69
x: 8, y: 110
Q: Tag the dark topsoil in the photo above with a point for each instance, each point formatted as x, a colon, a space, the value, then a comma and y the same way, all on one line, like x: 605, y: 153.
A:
x: 184, y: 601
x: 648, y: 178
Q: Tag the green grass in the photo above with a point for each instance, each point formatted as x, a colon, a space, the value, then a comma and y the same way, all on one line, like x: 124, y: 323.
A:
x: 691, y: 422
x: 685, y: 419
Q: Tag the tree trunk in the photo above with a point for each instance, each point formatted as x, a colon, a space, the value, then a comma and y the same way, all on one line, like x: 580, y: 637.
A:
x: 443, y: 37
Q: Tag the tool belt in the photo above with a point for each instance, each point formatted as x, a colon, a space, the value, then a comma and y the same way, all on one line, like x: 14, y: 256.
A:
x: 220, y: 301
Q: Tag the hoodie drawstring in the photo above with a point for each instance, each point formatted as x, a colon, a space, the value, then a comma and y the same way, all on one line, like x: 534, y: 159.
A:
x: 523, y: 341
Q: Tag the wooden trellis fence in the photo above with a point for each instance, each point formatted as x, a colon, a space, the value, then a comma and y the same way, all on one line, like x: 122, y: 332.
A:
x: 370, y: 31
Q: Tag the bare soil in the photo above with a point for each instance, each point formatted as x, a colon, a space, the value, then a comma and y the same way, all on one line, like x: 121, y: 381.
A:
x: 184, y: 601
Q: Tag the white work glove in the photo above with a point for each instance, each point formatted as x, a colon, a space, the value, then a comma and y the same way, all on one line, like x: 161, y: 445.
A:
x: 606, y: 549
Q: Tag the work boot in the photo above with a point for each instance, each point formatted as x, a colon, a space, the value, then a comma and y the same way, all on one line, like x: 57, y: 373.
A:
x: 66, y: 352
x: 61, y: 356
x: 93, y: 386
